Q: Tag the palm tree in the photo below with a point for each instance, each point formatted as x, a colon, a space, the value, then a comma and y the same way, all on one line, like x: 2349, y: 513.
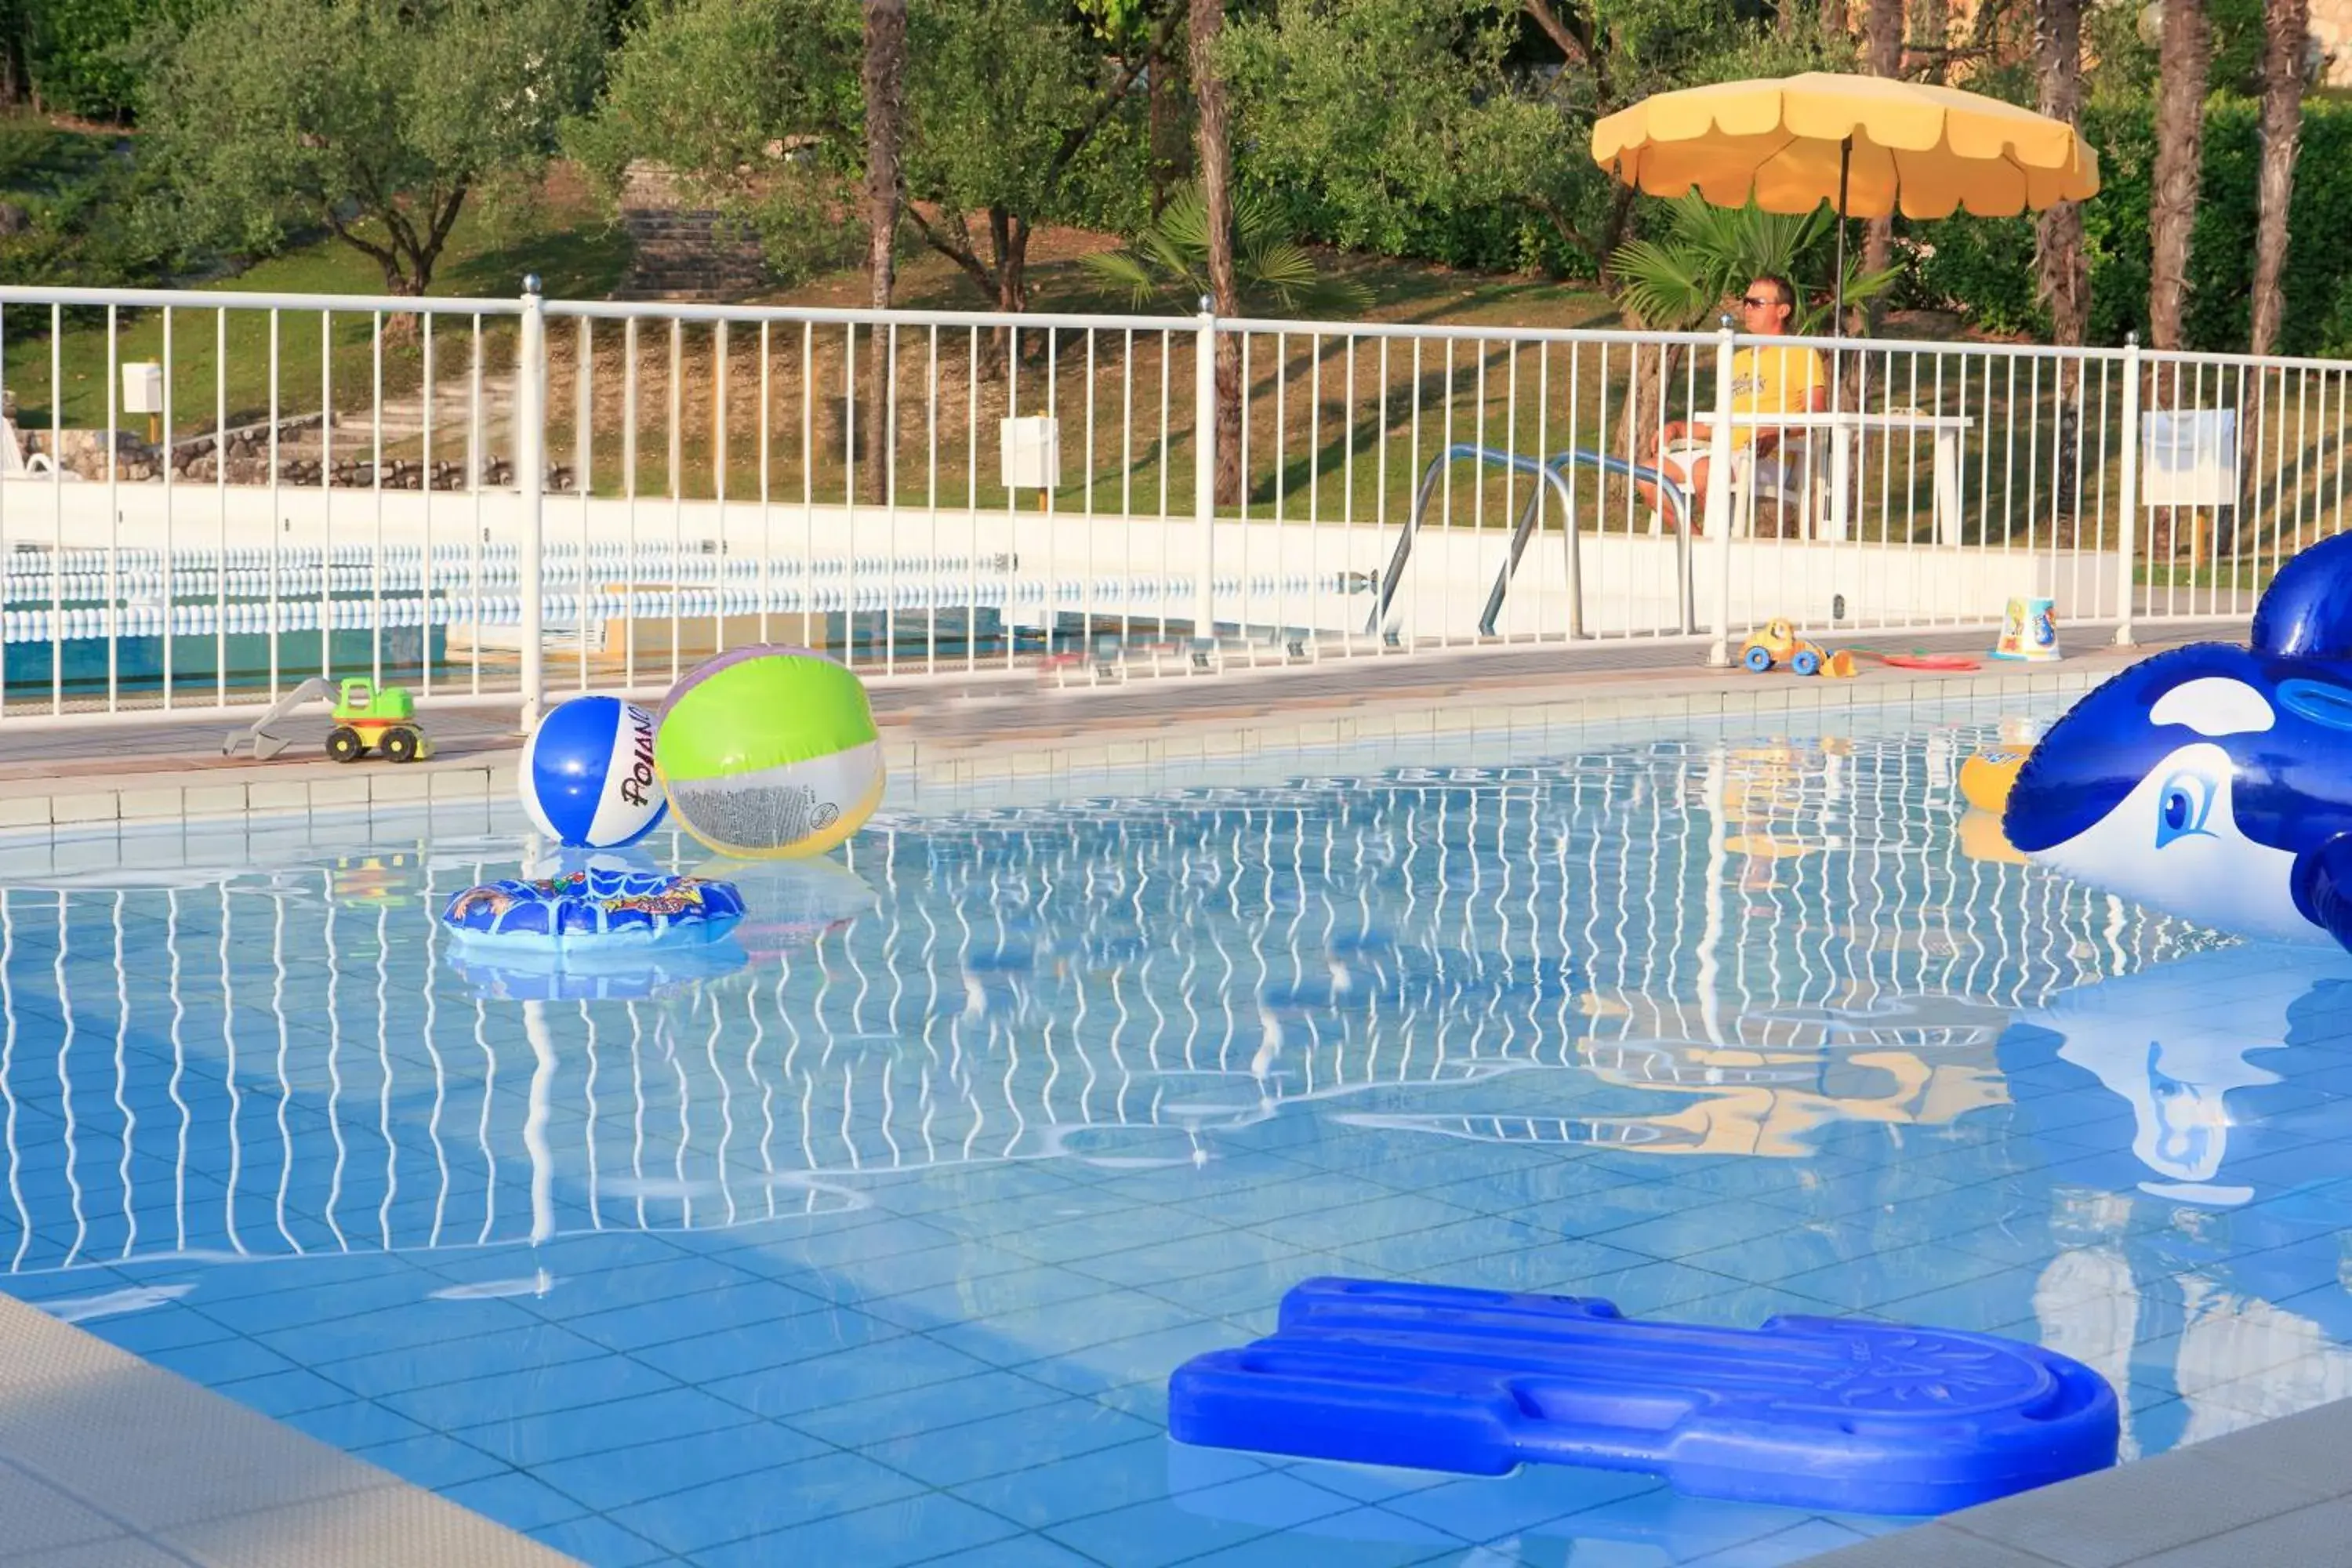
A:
x: 1171, y: 259
x: 2286, y: 24
x: 1709, y: 253
x: 2181, y: 61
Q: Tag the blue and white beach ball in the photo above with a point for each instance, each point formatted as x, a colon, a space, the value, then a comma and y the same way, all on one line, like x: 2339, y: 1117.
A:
x: 587, y: 774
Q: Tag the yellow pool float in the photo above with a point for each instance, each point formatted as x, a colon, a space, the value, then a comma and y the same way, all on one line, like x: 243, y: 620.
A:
x: 1986, y: 778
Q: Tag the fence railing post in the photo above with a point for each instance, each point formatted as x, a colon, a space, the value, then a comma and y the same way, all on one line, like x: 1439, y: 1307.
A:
x: 531, y: 475
x: 2127, y: 525
x: 1718, y: 497
x: 1204, y: 478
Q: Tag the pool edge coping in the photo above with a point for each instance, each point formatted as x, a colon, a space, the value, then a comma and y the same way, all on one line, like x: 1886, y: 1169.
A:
x: 103, y: 1450
x: 84, y: 801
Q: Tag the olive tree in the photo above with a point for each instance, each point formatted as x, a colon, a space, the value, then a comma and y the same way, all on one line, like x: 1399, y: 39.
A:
x: 374, y: 121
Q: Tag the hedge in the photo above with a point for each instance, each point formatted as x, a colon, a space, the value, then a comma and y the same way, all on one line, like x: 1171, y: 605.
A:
x: 1984, y: 267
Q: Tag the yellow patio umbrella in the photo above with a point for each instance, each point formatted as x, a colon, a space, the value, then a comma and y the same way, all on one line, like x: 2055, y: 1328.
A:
x: 1875, y: 146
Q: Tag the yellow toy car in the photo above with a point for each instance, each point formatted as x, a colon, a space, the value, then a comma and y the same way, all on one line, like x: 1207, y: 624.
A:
x: 1778, y: 643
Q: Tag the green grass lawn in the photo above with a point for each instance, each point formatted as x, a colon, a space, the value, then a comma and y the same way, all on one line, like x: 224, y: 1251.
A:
x: 318, y: 355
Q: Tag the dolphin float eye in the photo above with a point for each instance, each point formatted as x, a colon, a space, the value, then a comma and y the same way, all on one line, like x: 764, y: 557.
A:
x: 2181, y: 806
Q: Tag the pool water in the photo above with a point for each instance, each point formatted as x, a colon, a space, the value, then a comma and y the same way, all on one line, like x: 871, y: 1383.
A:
x: 873, y: 1239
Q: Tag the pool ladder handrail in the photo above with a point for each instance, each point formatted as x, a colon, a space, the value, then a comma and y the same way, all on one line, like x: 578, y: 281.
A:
x: 1549, y: 470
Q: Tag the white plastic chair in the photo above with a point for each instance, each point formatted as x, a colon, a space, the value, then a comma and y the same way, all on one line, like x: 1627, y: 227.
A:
x: 15, y: 465
x: 1786, y: 476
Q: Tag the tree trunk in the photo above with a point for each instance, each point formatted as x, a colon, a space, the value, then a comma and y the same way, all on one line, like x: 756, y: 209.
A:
x: 1837, y: 28
x: 2285, y: 25
x: 1167, y: 138
x: 14, y: 24
x: 2182, y: 64
x: 885, y: 70
x: 1936, y: 35
x: 2060, y: 270
x: 1207, y: 20
x: 1882, y: 55
x: 1008, y: 235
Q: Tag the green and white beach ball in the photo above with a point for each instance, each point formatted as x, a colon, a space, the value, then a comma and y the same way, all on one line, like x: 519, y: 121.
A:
x: 768, y: 753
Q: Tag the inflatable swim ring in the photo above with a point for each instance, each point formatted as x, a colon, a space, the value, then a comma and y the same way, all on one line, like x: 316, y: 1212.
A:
x: 1986, y: 778
x: 497, y: 973
x: 593, y: 910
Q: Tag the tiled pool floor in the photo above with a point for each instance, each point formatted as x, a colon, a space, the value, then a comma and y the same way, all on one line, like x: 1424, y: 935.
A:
x: 878, y: 1246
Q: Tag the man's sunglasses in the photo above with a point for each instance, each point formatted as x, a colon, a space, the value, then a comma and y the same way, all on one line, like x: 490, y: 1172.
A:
x: 1753, y: 304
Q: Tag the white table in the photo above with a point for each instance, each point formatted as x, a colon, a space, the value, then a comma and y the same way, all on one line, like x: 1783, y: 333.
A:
x: 1946, y: 429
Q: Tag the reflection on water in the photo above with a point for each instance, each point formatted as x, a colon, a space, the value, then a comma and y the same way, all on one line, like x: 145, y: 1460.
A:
x: 1664, y: 952
x: 252, y: 1062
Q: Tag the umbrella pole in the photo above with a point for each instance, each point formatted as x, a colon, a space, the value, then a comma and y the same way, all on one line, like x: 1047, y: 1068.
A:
x: 1845, y: 162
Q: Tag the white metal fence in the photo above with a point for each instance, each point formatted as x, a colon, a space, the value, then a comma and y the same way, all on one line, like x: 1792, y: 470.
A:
x: 206, y: 497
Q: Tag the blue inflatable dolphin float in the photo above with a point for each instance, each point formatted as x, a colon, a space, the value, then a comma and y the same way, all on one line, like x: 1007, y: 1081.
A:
x: 2215, y: 782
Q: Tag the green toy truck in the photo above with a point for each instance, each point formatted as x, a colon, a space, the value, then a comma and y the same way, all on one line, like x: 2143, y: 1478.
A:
x: 369, y: 718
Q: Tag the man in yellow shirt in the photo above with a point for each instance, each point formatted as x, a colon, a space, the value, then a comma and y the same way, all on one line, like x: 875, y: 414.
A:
x: 1764, y: 380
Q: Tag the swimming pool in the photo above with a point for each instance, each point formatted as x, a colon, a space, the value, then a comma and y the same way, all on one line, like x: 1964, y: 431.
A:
x: 877, y: 1241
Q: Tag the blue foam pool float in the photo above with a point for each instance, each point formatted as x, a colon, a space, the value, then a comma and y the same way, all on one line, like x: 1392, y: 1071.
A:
x: 597, y: 910
x: 1821, y: 1412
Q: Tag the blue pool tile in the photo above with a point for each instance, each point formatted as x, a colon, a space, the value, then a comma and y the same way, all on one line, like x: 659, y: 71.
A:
x: 900, y: 1362
x: 666, y: 1281
x: 1794, y: 1544
x: 1097, y: 1235
x: 434, y: 1460
x: 1483, y: 1510
x: 146, y: 1333
x: 1683, y: 1527
x: 491, y: 1396
x: 1249, y: 1292
x: 873, y: 1421
x: 600, y: 1543
x: 223, y: 1361
x: 1325, y: 1545
x: 1989, y: 1303
x: 895, y: 1274
x: 1139, y: 1357
x: 1035, y: 1288
x: 891, y: 1535
x: 515, y: 1500
x: 1017, y: 1552
x: 1365, y: 1483
x: 540, y: 1345
x: 1161, y: 1258
x: 701, y: 1517
x: 612, y: 1477
x: 1394, y: 1214
x: 530, y: 1441
x: 1889, y: 1274
x: 418, y: 1322
x: 1276, y: 1499
x: 306, y: 1300
x: 779, y: 1346
x: 1014, y: 1439
x: 355, y: 1424
x: 1149, y: 1534
x: 1012, y: 1337
x: 1056, y: 1490
x: 1650, y: 1290
x: 747, y: 1302
x: 284, y: 1393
